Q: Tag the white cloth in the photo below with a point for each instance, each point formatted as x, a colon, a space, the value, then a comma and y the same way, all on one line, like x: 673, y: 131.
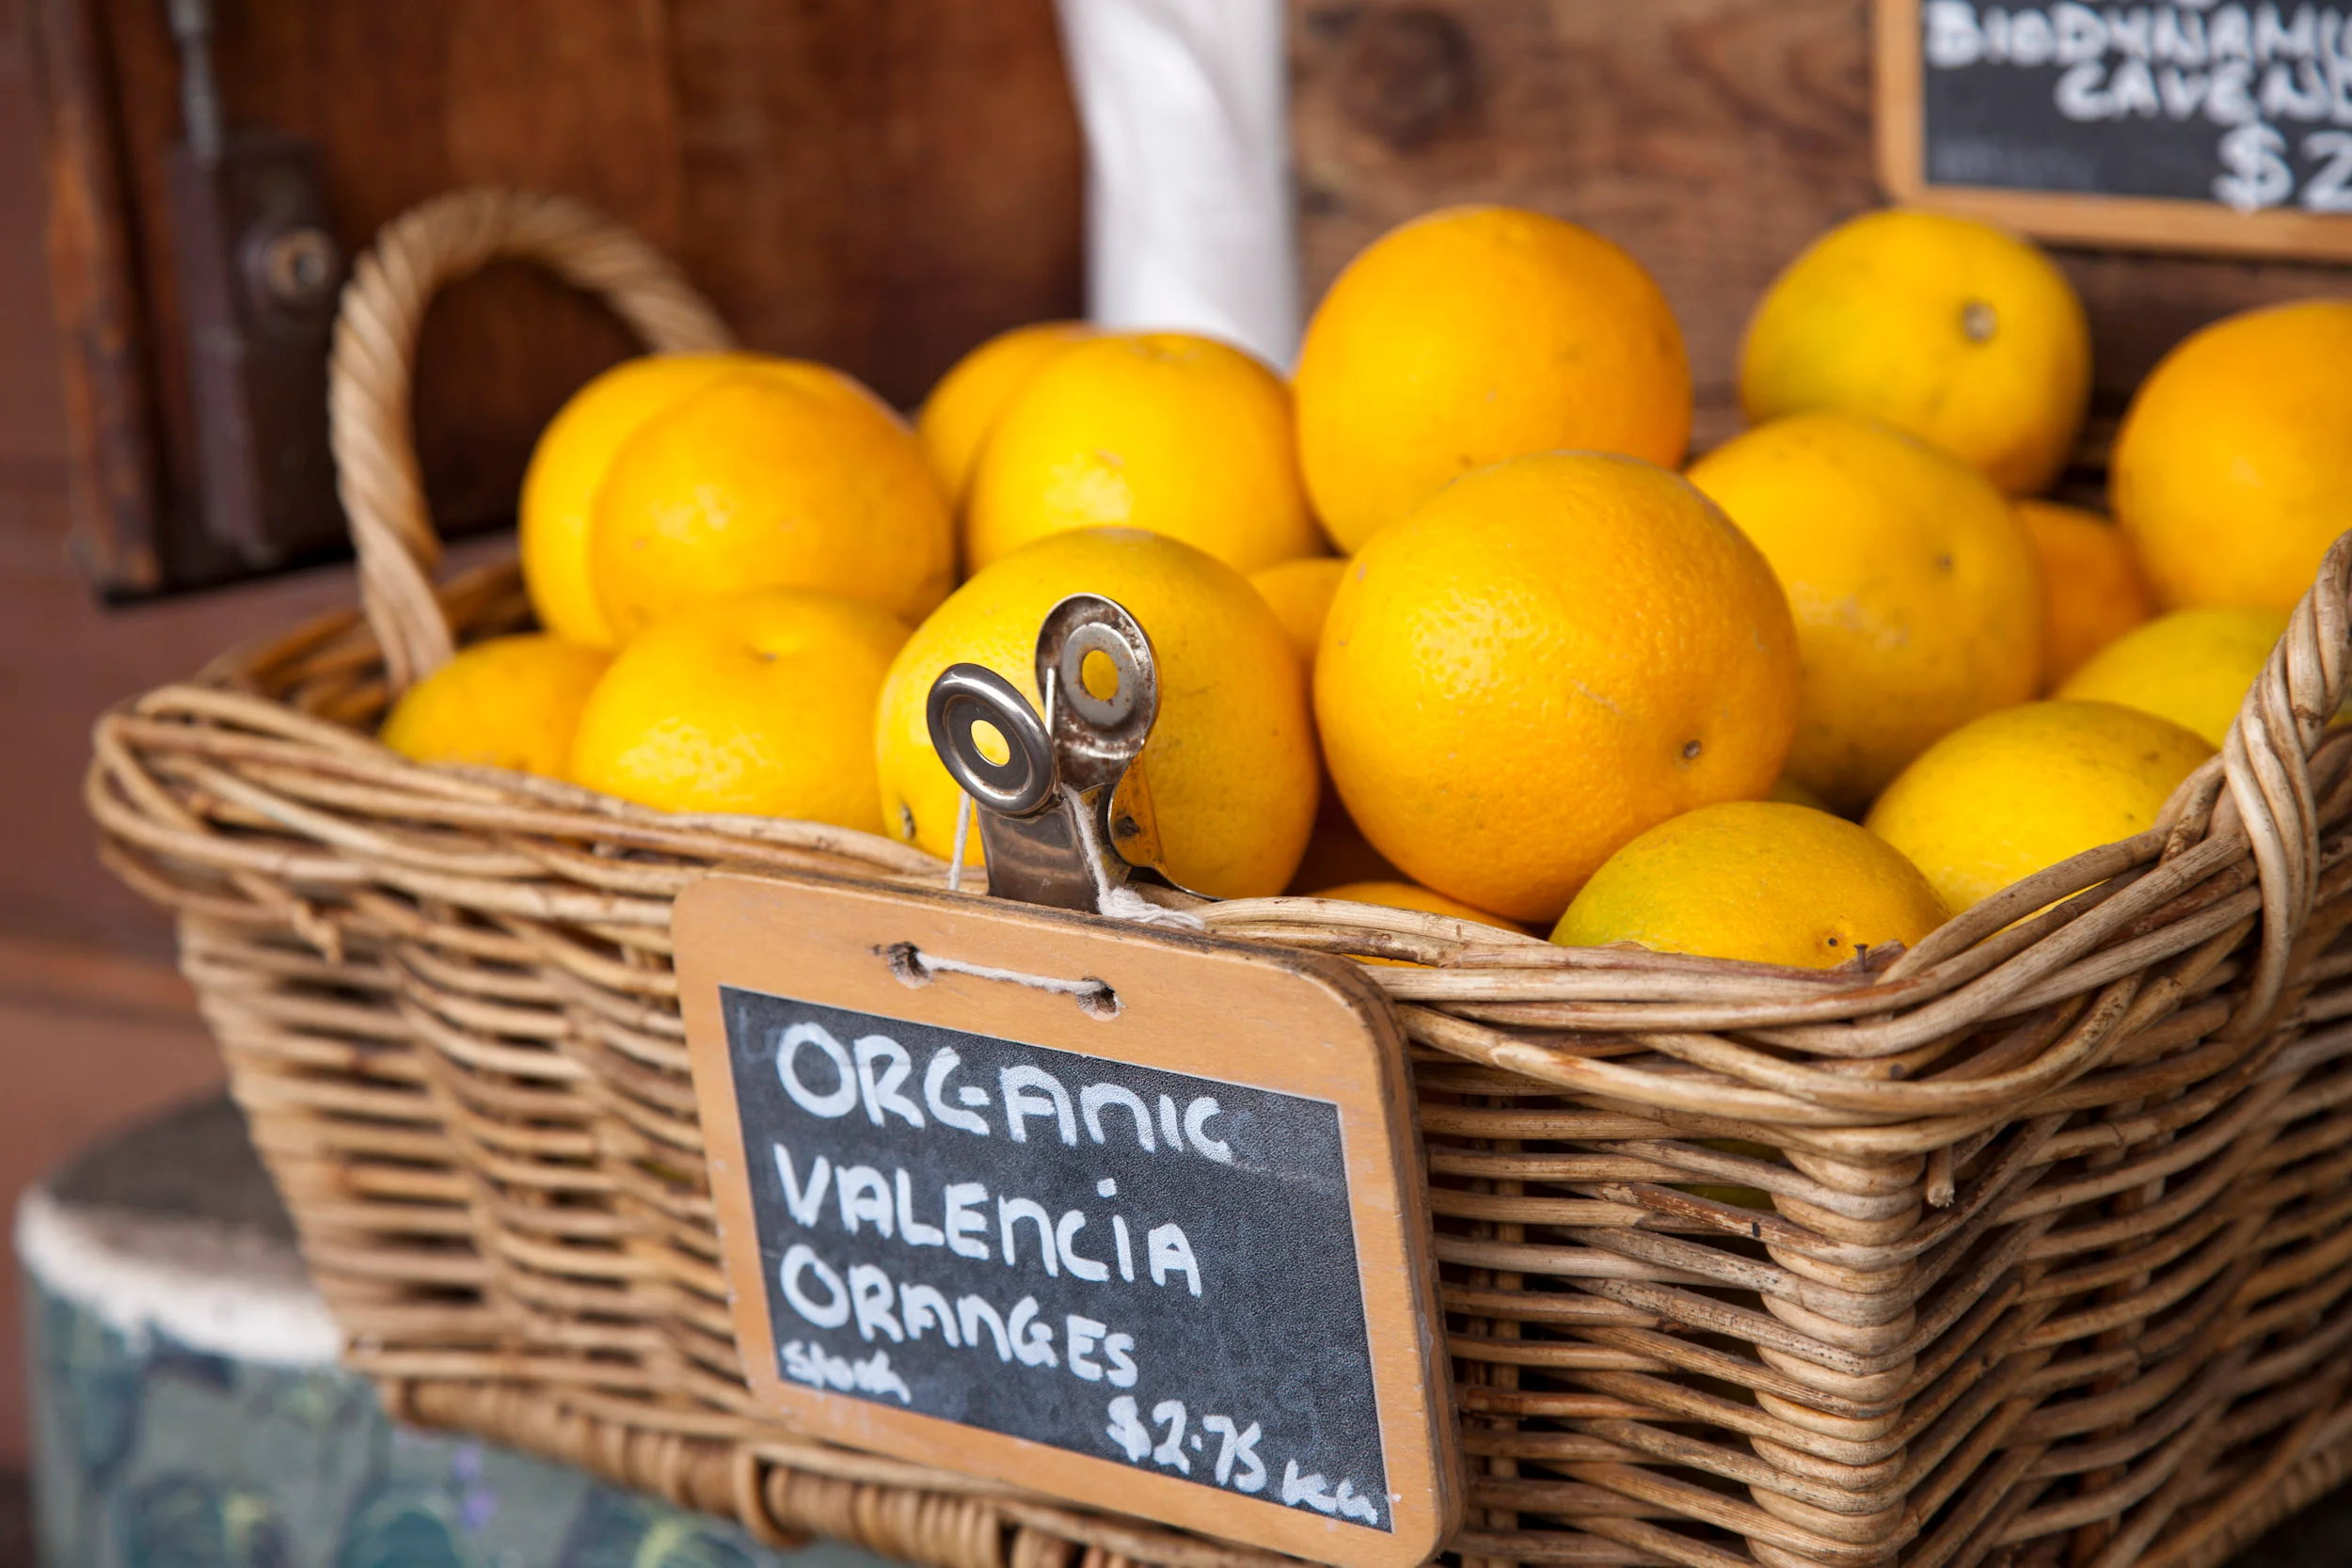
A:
x: 1189, y: 219
x: 205, y: 1286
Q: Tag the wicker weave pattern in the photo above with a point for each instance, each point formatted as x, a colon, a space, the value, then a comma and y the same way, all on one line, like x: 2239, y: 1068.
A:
x: 2032, y: 1247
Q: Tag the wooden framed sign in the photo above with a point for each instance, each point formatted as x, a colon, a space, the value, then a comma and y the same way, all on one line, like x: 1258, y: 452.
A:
x: 1130, y: 1217
x: 2197, y: 125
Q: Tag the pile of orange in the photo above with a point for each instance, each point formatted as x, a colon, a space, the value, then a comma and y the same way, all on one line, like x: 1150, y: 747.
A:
x: 1450, y: 619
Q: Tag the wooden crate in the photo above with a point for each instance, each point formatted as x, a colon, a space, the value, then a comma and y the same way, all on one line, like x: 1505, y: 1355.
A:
x: 877, y: 186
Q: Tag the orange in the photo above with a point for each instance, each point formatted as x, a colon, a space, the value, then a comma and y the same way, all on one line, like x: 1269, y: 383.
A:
x: 956, y: 419
x: 1472, y: 335
x: 1230, y: 761
x: 569, y: 462
x: 1759, y: 880
x: 1163, y: 430
x: 1548, y: 657
x: 762, y: 704
x: 2020, y: 790
x: 1405, y: 895
x: 2092, y: 590
x: 2192, y: 667
x: 1300, y: 593
x: 2233, y: 473
x: 1917, y: 600
x: 509, y: 701
x: 1965, y: 336
x: 783, y: 475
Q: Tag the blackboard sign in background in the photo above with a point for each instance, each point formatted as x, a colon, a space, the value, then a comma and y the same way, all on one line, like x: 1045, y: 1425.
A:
x: 2249, y: 107
x: 2205, y: 123
x: 1261, y: 1382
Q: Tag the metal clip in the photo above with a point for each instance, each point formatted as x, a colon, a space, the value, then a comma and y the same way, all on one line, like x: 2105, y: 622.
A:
x: 1066, y: 816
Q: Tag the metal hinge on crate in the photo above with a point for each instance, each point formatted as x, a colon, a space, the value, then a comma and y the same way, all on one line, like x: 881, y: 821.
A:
x: 1065, y: 817
x: 260, y: 272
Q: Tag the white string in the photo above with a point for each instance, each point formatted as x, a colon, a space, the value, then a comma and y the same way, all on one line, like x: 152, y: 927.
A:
x: 1114, y: 899
x: 963, y: 833
x: 1117, y: 899
x: 916, y: 967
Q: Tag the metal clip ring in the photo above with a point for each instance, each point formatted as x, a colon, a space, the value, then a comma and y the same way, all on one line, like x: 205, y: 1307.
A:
x: 1103, y: 713
x: 969, y: 694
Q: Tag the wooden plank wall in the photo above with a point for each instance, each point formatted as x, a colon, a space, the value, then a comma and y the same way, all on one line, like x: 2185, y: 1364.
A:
x: 877, y: 184
x: 1712, y: 138
x: 95, y: 1027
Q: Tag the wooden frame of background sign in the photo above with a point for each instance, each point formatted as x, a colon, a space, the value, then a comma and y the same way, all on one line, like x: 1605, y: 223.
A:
x: 2144, y: 223
x: 1291, y: 1023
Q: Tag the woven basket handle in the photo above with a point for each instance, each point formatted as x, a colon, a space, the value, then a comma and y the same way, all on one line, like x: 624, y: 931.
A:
x: 372, y: 369
x: 2266, y: 759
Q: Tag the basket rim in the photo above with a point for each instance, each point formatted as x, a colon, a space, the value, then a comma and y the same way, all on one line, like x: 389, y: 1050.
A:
x: 2096, y: 948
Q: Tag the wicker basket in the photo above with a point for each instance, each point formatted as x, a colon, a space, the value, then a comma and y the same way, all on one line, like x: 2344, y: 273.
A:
x: 2054, y: 1265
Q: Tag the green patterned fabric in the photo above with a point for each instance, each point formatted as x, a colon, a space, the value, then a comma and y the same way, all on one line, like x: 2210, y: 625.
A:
x: 151, y: 1456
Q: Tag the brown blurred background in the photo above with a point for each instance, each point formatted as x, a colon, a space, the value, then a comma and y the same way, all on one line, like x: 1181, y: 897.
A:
x: 95, y: 1025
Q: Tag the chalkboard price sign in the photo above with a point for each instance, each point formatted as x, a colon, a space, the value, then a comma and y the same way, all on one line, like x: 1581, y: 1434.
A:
x: 2200, y: 125
x: 1127, y: 1217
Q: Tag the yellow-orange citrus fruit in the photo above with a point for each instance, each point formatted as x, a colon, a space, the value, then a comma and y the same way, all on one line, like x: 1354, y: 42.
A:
x: 1472, y: 335
x: 1917, y: 600
x: 2020, y: 790
x: 509, y: 701
x: 1300, y: 593
x: 956, y: 419
x: 2092, y: 590
x: 569, y: 462
x: 1230, y: 763
x: 1759, y: 880
x: 2233, y: 472
x: 1965, y: 336
x: 1550, y: 656
x: 761, y: 705
x: 1163, y: 430
x: 2192, y: 667
x: 784, y: 474
x: 1408, y: 895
